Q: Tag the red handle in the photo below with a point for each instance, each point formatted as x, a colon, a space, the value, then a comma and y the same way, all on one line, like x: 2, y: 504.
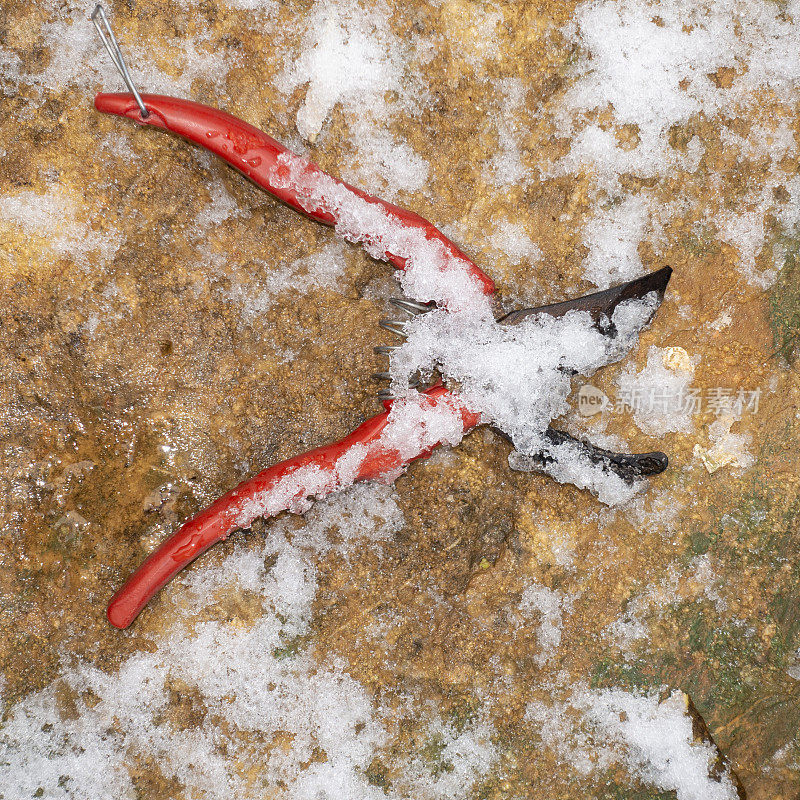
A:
x: 361, y: 455
x: 288, y: 485
x: 267, y: 163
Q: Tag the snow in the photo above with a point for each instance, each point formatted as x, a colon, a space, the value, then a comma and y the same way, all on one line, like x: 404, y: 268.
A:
x: 470, y: 753
x: 253, y: 688
x: 321, y: 270
x: 511, y: 239
x: 435, y: 273
x: 659, y: 394
x: 659, y: 742
x: 244, y: 687
x: 570, y: 464
x: 793, y: 670
x: 54, y: 218
x: 349, y: 59
x: 653, y: 67
x: 638, y: 66
x: 595, y: 729
x: 295, y: 491
x: 613, y: 240
x: 79, y: 62
x: 505, y: 168
x: 415, y: 425
x: 727, y: 448
x: 346, y: 57
x: 654, y: 62
x: 697, y: 581
x: 220, y: 207
x: 551, y: 605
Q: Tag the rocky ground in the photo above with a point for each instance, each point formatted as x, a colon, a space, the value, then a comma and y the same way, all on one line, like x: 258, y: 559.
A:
x: 168, y: 330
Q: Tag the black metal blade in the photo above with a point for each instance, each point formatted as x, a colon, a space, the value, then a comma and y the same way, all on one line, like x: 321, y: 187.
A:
x: 628, y: 466
x: 600, y: 304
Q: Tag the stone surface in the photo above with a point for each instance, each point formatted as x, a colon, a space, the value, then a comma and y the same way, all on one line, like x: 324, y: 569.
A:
x: 150, y: 363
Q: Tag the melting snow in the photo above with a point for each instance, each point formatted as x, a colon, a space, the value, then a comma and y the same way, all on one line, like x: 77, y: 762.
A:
x: 596, y: 729
x: 350, y: 58
x: 727, y: 449
x: 512, y: 240
x: 320, y: 270
x: 659, y: 394
x: 551, y: 605
x: 253, y: 689
x: 78, y: 61
x: 613, y: 239
x: 654, y: 66
x: 53, y: 217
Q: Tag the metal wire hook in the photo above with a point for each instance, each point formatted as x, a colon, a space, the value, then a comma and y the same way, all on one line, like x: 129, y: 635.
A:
x: 111, y: 45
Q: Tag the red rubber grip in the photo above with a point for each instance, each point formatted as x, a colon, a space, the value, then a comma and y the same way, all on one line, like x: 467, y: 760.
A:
x: 237, y: 508
x: 256, y: 155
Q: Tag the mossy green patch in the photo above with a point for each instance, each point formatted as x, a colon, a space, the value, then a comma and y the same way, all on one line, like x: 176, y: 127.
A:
x: 700, y: 242
x: 764, y: 527
x: 700, y: 542
x: 433, y: 755
x: 463, y: 711
x: 784, y: 302
x: 377, y: 774
x: 614, y: 791
x: 785, y: 642
x: 727, y: 675
x: 293, y: 647
x: 638, y: 674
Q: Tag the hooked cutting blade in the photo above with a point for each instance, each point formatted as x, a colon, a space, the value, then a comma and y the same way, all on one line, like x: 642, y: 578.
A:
x: 600, y: 304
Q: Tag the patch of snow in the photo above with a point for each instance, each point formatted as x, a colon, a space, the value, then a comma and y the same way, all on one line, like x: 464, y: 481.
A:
x: 659, y: 395
x: 699, y: 580
x: 221, y: 206
x: 551, y: 606
x: 596, y: 729
x: 268, y: 719
x: 490, y: 362
x: 571, y: 464
x: 54, y: 218
x: 793, y: 670
x: 612, y: 237
x: 648, y: 68
x: 346, y: 58
x: 505, y: 168
x: 415, y: 425
x: 262, y: 7
x: 511, y: 239
x: 468, y: 756
x: 79, y: 62
x: 321, y: 270
x: 349, y: 58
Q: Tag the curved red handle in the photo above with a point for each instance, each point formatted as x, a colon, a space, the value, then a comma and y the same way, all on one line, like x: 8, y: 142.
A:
x: 360, y: 456
x: 264, y: 160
